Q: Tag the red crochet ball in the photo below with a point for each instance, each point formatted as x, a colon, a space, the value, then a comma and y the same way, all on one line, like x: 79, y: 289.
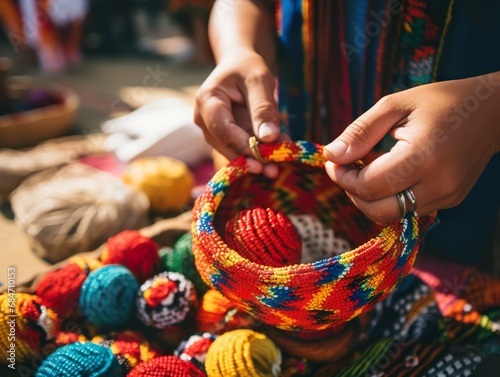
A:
x: 264, y: 236
x: 134, y: 251
x: 60, y: 289
x: 166, y: 366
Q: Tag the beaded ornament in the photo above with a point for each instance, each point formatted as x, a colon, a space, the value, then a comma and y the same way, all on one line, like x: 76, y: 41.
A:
x: 165, y: 299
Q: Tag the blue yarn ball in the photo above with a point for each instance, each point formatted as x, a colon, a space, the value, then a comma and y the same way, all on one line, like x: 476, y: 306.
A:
x: 108, y: 296
x: 81, y: 359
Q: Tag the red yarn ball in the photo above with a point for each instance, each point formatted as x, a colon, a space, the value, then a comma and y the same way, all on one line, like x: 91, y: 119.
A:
x: 134, y: 251
x: 60, y: 289
x: 162, y: 366
x: 264, y: 236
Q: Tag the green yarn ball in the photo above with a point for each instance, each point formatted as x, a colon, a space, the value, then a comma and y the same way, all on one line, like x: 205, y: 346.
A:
x: 181, y: 259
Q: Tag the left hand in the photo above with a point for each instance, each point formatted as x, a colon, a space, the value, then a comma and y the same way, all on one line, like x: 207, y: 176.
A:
x: 446, y: 133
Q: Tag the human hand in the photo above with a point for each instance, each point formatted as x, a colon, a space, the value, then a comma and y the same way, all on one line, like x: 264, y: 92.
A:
x: 446, y: 133
x: 237, y: 101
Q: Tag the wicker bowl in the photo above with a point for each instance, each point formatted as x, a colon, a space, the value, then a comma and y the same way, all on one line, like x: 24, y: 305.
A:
x: 301, y: 297
x: 28, y: 128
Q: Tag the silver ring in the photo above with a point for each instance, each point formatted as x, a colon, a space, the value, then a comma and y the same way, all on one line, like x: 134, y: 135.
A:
x: 402, y: 204
x: 411, y: 197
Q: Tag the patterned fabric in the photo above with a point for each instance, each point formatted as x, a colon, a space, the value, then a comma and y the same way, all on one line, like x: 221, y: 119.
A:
x: 313, y: 296
x: 338, y: 57
x: 412, y: 333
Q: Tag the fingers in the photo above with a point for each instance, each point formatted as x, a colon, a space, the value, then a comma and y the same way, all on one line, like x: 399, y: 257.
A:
x: 258, y: 88
x: 366, y: 131
x: 386, y: 209
x: 388, y: 174
x: 214, y: 115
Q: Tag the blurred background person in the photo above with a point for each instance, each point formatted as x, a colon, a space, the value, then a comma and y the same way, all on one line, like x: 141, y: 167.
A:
x: 52, y: 28
x: 192, y: 16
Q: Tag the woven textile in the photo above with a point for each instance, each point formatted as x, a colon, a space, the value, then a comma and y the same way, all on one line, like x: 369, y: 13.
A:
x: 313, y: 296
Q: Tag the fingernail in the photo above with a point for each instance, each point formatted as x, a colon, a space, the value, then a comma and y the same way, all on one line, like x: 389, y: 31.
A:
x: 337, y: 148
x: 267, y: 130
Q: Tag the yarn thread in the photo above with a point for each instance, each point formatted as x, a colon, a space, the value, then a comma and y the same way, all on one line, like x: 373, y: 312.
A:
x: 243, y: 353
x: 165, y: 299
x: 34, y: 327
x: 107, y: 297
x: 264, y: 236
x: 81, y: 359
x: 134, y: 251
x: 166, y: 366
x: 301, y: 297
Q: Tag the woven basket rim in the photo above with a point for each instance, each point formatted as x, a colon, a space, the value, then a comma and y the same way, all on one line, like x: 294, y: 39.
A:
x: 233, y: 170
x: 395, y: 245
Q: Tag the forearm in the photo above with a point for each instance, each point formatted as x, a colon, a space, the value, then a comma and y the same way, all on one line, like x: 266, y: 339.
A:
x: 495, y: 79
x: 247, y: 24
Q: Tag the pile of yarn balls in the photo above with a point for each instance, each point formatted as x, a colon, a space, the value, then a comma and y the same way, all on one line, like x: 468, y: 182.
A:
x: 137, y: 312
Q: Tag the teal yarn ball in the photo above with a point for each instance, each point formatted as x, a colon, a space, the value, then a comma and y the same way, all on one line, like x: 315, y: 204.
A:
x: 81, y: 359
x: 108, y: 296
x: 181, y: 259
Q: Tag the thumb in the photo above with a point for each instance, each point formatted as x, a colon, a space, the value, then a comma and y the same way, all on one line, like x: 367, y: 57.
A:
x: 262, y: 106
x: 359, y: 138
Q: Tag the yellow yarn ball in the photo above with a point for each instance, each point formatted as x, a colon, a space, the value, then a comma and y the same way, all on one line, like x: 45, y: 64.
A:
x: 166, y: 181
x: 244, y: 353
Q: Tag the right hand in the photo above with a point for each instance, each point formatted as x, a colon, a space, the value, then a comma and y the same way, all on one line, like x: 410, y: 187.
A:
x: 237, y: 101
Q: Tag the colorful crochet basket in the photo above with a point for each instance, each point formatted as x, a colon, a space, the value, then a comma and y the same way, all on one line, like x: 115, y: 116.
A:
x: 300, y: 297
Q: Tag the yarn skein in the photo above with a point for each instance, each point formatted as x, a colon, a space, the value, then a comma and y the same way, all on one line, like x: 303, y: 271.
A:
x: 264, y: 236
x: 165, y: 299
x: 32, y: 328
x: 181, y: 259
x: 243, y: 353
x: 81, y: 359
x: 75, y: 209
x: 107, y: 297
x: 60, y: 289
x: 134, y: 251
x: 166, y: 181
x: 166, y: 366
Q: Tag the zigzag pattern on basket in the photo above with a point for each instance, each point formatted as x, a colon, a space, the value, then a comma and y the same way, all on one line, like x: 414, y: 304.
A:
x: 306, y: 297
